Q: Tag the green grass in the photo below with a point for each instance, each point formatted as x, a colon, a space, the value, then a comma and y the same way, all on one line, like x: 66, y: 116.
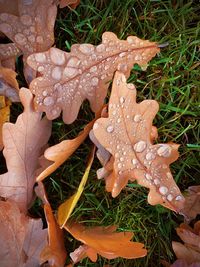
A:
x: 172, y: 79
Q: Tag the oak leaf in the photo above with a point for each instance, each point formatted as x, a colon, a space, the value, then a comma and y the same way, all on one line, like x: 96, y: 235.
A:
x: 33, y: 30
x: 190, y: 250
x: 66, y: 208
x: 104, y: 241
x: 22, y: 237
x: 23, y: 145
x: 192, y: 203
x: 4, y: 116
x: 8, y: 84
x: 67, y: 79
x: 127, y: 134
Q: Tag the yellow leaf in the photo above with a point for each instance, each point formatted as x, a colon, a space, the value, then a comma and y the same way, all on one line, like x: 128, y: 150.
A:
x: 66, y: 208
x: 4, y: 115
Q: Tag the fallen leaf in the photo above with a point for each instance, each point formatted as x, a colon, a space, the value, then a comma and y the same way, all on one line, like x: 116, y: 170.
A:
x: 67, y: 79
x: 66, y: 208
x: 4, y: 116
x: 104, y: 241
x: 71, y: 3
x: 54, y: 252
x: 22, y: 237
x: 8, y: 54
x: 192, y: 203
x: 190, y: 250
x: 127, y: 134
x: 8, y: 84
x: 33, y: 30
x: 9, y: 6
x: 59, y: 153
x: 23, y: 143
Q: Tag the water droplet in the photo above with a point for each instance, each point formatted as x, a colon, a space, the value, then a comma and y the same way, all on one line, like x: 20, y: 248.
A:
x: 57, y: 56
x: 110, y: 129
x: 118, y: 120
x: 39, y: 39
x: 140, y: 146
x: 86, y: 48
x: 20, y: 39
x: 164, y: 151
x: 122, y: 99
x: 26, y: 20
x: 121, y: 159
x: 179, y: 198
x: 170, y: 197
x: 106, y: 67
x: 56, y: 73
x: 137, y: 118
x: 48, y: 101
x: 45, y: 93
x: 130, y: 86
x: 122, y: 54
x: 40, y: 68
x: 156, y: 181
x: 70, y: 72
x: 134, y: 161
x: 40, y: 57
x: 95, y: 126
x: 31, y: 38
x: 148, y: 176
x: 73, y: 62
x: 100, y: 48
x: 93, y: 69
x: 119, y: 165
x: 163, y: 190
x: 94, y: 81
x: 150, y: 156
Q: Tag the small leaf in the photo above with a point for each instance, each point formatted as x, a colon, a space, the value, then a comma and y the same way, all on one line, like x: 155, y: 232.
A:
x: 23, y: 145
x: 105, y: 242
x: 4, y: 116
x: 71, y: 3
x: 67, y: 79
x: 66, y: 208
x: 128, y: 134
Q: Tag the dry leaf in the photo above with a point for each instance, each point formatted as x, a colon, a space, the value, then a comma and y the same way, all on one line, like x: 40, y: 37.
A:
x: 4, y: 116
x: 71, y: 3
x: 55, y: 252
x: 8, y: 54
x: 84, y: 73
x: 104, y: 241
x: 192, y: 203
x: 66, y: 208
x: 23, y: 143
x: 190, y: 250
x: 61, y: 152
x: 33, y: 30
x: 22, y: 238
x: 8, y: 84
x: 127, y: 134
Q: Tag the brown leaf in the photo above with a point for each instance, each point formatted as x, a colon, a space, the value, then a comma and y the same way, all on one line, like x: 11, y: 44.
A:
x: 104, y: 241
x: 23, y: 143
x: 190, y: 250
x: 9, y: 6
x: 33, y: 30
x: 71, y: 3
x: 8, y: 54
x: 127, y: 135
x: 22, y: 238
x: 84, y: 73
x: 4, y: 116
x: 192, y: 203
x: 59, y: 153
x: 8, y: 84
x: 54, y: 252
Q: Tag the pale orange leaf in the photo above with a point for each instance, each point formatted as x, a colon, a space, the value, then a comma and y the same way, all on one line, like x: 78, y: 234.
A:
x: 71, y: 3
x: 128, y: 135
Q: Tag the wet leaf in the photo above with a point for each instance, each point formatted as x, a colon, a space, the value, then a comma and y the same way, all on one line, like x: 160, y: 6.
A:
x: 192, y: 203
x: 8, y: 54
x: 67, y: 79
x: 128, y: 135
x: 23, y: 145
x: 8, y: 84
x: 32, y: 30
x: 22, y: 237
x: 104, y: 241
x: 66, y: 208
x: 71, y: 3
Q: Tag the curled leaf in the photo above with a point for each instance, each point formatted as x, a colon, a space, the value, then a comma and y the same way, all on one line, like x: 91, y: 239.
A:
x: 67, y: 79
x: 66, y: 208
x: 128, y: 135
x: 104, y: 241
x: 32, y: 30
x: 23, y: 143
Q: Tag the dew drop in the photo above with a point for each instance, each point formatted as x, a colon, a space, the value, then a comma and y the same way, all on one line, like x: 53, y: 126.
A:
x: 150, y: 156
x: 148, y: 176
x: 137, y: 118
x: 100, y: 48
x: 40, y: 68
x: 70, y: 72
x: 163, y: 190
x: 156, y: 181
x: 121, y: 159
x: 122, y: 54
x: 118, y: 120
x: 140, y: 146
x: 179, y: 198
x: 57, y: 56
x: 164, y: 151
x: 86, y: 48
x: 134, y: 161
x: 95, y: 126
x: 40, y: 57
x: 56, y: 73
x: 170, y: 197
x: 44, y: 93
x: 130, y: 86
x: 93, y: 69
x: 20, y: 39
x: 122, y: 99
x: 94, y: 81
x: 119, y: 165
x: 48, y: 101
x: 110, y: 129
